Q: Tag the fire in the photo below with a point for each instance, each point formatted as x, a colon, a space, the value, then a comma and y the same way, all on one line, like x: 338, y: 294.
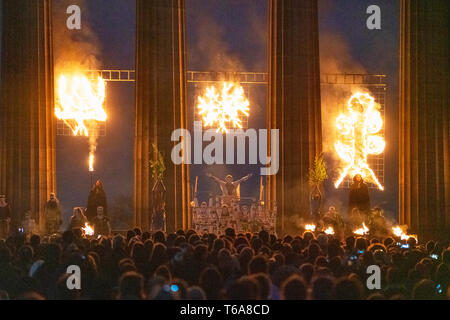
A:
x: 222, y: 109
x: 362, y: 231
x: 91, y: 162
x: 399, y: 233
x: 80, y: 101
x: 358, y: 137
x: 80, y: 105
x: 329, y: 230
x: 310, y: 227
x: 87, y: 230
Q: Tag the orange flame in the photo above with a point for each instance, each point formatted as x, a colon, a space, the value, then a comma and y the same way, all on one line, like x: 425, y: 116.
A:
x: 91, y: 162
x: 358, y: 137
x: 87, y: 230
x: 362, y: 231
x: 80, y: 105
x: 222, y: 109
x: 329, y: 230
x: 399, y: 233
x: 79, y: 102
x: 310, y: 227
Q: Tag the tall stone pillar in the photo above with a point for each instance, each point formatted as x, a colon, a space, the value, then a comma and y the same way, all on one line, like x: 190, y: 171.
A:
x: 27, y: 124
x: 294, y: 102
x: 160, y: 107
x: 424, y: 156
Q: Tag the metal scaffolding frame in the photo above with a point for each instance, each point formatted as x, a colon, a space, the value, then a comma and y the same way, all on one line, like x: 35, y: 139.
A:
x: 375, y: 83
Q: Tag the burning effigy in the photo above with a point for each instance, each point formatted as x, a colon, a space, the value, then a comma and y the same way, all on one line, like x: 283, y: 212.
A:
x: 358, y: 136
x: 79, y: 104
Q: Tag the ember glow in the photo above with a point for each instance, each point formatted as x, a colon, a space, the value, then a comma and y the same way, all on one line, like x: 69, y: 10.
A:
x: 87, y: 230
x: 358, y: 136
x: 80, y: 105
x: 362, y: 231
x: 329, y: 230
x: 310, y: 227
x: 222, y: 109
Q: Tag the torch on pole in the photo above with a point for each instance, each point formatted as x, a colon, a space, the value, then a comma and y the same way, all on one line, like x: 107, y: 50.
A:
x: 91, y: 166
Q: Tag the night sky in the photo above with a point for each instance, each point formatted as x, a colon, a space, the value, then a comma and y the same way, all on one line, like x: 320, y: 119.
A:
x: 221, y: 35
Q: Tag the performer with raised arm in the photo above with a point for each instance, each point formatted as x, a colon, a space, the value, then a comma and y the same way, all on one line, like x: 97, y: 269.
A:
x: 229, y: 187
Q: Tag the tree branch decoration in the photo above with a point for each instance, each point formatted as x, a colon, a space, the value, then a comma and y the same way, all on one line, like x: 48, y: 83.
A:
x: 318, y: 171
x: 157, y: 165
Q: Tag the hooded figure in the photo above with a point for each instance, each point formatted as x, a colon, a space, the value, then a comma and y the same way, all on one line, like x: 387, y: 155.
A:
x: 359, y: 196
x: 97, y: 198
x: 52, y: 215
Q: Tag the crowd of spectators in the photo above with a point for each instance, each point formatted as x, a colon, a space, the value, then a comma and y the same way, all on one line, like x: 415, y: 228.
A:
x: 188, y: 265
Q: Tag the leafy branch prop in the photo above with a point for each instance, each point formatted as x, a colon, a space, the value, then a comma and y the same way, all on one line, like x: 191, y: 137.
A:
x: 318, y: 171
x: 157, y: 165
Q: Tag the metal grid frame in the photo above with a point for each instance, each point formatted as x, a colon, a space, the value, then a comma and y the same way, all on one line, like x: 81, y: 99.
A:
x: 375, y: 83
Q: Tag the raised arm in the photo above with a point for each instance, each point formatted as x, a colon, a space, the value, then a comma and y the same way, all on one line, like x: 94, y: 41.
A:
x: 215, y: 178
x: 243, y: 179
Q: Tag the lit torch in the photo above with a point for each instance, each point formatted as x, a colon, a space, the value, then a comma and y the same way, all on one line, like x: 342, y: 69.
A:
x: 80, y: 105
x: 223, y: 109
x: 310, y: 227
x: 358, y: 137
x: 329, y: 230
x: 91, y: 162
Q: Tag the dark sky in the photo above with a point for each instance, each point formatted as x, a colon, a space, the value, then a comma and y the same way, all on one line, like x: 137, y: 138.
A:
x: 237, y: 29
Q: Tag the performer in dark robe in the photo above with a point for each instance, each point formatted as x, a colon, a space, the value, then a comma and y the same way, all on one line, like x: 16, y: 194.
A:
x: 359, y: 197
x: 97, y: 198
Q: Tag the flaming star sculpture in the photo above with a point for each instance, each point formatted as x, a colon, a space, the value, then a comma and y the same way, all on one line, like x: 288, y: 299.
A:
x: 358, y: 137
x: 80, y: 105
x: 222, y: 109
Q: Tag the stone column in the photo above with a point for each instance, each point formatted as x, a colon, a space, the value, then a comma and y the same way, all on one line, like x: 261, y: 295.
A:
x: 160, y: 107
x: 424, y: 158
x: 27, y: 170
x: 294, y: 102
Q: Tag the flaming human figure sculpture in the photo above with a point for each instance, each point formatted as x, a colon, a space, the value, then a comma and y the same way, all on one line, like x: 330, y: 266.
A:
x: 80, y: 105
x: 223, y: 108
x: 358, y: 136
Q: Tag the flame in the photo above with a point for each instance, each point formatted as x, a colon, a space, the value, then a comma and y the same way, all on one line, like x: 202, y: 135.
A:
x: 399, y: 233
x: 310, y: 227
x: 358, y: 131
x: 87, y: 230
x: 222, y: 109
x: 329, y: 230
x: 79, y: 102
x: 91, y: 162
x: 80, y: 105
x: 362, y: 231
